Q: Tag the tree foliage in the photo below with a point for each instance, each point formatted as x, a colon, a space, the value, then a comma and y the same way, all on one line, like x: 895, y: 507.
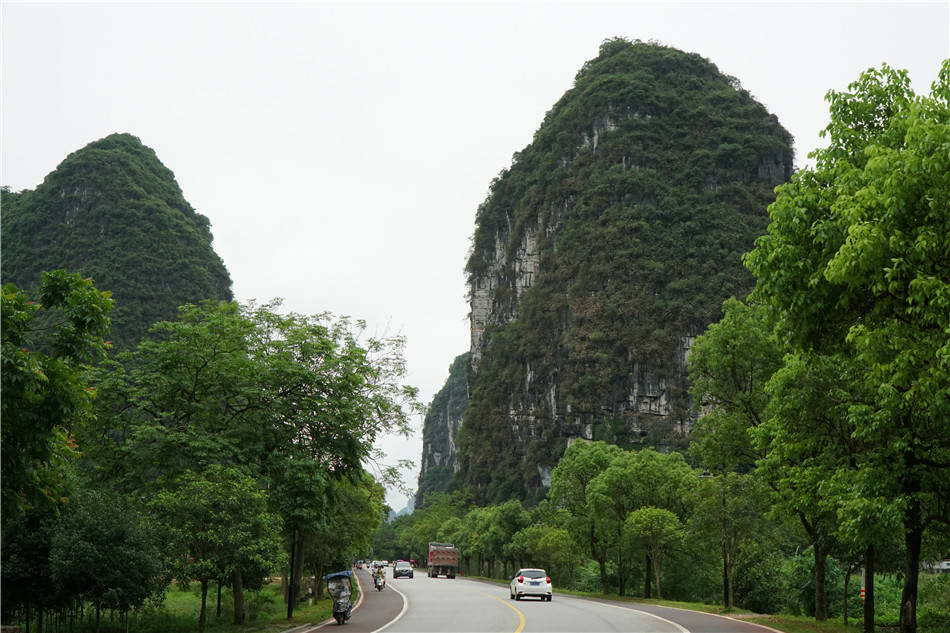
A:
x: 856, y: 267
x: 47, y: 345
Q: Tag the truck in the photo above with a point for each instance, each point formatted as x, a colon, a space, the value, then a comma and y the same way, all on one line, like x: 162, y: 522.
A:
x: 443, y: 560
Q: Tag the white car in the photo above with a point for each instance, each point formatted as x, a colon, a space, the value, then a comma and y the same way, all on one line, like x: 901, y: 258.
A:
x: 531, y: 582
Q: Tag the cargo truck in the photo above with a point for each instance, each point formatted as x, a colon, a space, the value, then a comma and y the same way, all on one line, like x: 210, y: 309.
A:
x: 443, y: 560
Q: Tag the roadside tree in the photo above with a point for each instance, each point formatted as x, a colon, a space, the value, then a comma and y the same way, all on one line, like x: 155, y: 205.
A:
x: 47, y: 343
x: 659, y: 530
x: 856, y: 264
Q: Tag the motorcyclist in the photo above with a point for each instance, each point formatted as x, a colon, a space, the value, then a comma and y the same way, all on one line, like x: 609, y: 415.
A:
x: 340, y: 587
x: 379, y: 577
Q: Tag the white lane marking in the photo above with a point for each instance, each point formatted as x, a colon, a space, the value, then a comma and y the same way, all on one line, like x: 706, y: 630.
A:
x: 678, y: 627
x: 405, y: 607
x: 726, y: 617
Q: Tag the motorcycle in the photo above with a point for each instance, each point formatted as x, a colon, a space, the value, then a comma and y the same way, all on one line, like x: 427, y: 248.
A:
x: 338, y: 586
x: 379, y: 582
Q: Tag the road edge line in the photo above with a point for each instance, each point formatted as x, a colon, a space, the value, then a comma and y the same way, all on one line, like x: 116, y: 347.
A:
x: 405, y: 607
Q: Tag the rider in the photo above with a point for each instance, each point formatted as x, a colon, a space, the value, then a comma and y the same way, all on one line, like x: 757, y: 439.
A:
x: 378, y: 573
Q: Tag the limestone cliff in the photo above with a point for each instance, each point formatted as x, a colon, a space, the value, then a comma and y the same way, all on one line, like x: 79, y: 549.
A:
x: 602, y: 252
x: 441, y: 425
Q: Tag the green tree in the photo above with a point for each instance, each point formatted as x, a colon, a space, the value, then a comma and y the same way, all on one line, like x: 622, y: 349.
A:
x: 728, y: 513
x: 855, y: 263
x: 217, y: 522
x: 729, y: 367
x: 570, y: 480
x: 102, y: 551
x: 26, y: 581
x: 355, y: 510
x: 297, y: 401
x: 660, y: 531
x: 634, y: 480
x: 549, y: 547
x: 46, y: 346
x: 509, y: 518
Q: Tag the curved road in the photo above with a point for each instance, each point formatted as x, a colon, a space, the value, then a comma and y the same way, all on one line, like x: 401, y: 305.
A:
x: 440, y: 605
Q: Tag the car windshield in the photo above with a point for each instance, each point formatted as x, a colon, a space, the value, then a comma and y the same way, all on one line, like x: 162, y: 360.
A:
x: 402, y: 565
x: 533, y: 573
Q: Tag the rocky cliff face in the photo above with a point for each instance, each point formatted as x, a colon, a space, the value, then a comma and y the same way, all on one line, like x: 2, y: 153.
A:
x: 439, y: 430
x: 602, y: 252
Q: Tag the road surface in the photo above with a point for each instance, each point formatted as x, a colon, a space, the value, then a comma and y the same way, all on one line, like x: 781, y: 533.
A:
x: 440, y: 605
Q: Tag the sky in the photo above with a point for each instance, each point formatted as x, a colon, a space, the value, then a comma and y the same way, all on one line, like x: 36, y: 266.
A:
x: 341, y: 151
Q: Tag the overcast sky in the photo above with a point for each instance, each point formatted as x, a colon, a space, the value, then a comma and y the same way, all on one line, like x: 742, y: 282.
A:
x: 341, y: 150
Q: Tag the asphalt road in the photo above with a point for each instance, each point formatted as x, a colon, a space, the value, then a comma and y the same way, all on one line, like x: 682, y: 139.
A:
x: 440, y: 605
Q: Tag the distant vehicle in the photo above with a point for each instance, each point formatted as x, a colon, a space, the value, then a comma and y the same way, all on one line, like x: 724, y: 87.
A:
x: 402, y: 569
x: 443, y: 560
x: 530, y: 582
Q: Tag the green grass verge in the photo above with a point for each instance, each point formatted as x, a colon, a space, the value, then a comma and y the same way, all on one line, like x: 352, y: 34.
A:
x: 801, y: 624
x: 266, y: 610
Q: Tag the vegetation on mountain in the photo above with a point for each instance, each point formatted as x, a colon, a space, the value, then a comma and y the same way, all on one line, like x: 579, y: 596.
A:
x: 114, y: 213
x: 644, y: 185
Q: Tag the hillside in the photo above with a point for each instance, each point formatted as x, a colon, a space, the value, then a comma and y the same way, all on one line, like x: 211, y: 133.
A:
x: 599, y: 255
x: 114, y: 212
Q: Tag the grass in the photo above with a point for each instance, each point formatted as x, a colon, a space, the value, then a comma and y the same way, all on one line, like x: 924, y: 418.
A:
x: 802, y: 624
x: 266, y: 610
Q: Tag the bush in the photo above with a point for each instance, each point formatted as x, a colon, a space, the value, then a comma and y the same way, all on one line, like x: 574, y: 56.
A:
x: 933, y: 603
x: 758, y: 581
x: 587, y: 576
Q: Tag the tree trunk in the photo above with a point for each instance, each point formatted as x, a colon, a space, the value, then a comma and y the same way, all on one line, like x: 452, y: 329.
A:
x: 646, y: 578
x: 291, y: 589
x: 202, y: 615
x: 726, y: 602
x: 656, y: 573
x: 844, y: 603
x: 913, y: 532
x: 98, y: 618
x: 731, y: 588
x: 237, y: 588
x: 319, y: 573
x: 620, y: 574
x: 869, y: 590
x: 821, y: 560
x: 217, y: 611
x: 298, y: 565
